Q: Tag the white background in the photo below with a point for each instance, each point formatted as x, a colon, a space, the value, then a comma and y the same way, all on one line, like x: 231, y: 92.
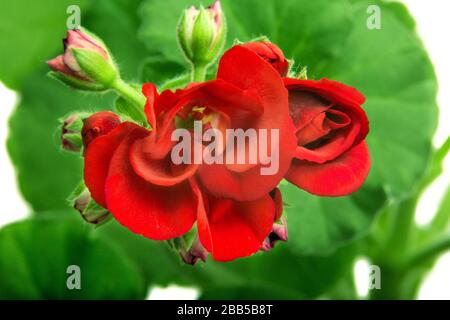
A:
x: 433, y: 25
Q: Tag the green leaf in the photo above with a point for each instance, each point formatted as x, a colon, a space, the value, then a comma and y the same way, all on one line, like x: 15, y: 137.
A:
x: 35, y: 255
x: 31, y: 33
x: 391, y: 68
x: 116, y: 22
x: 158, y: 70
x: 282, y: 272
x: 155, y: 262
x: 319, y: 225
x: 308, y: 31
x: 47, y: 176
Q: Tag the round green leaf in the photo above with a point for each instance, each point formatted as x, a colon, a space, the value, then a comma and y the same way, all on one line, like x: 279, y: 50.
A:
x: 35, y: 256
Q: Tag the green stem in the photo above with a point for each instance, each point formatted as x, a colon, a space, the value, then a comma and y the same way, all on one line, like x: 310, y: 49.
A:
x: 176, y: 83
x: 442, y: 217
x: 404, y: 220
x: 402, y: 228
x: 136, y: 99
x: 432, y: 251
x: 199, y: 72
x: 436, y: 165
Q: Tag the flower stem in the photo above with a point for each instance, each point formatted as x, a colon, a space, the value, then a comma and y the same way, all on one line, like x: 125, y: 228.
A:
x: 136, y: 99
x: 199, y: 72
x: 432, y: 251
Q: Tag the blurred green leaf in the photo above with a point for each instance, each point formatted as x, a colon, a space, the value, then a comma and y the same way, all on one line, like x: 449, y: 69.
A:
x: 308, y: 31
x: 35, y: 255
x: 391, y: 68
x: 30, y: 33
x: 320, y: 225
x: 117, y: 22
x: 157, y: 70
x: 46, y: 175
x: 155, y: 262
x: 282, y: 272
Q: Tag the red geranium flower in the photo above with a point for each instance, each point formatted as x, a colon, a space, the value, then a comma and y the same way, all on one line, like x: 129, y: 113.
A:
x: 129, y: 171
x: 321, y: 128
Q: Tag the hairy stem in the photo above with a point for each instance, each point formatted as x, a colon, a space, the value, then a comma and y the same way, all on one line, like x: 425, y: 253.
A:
x: 199, y: 72
x: 136, y: 99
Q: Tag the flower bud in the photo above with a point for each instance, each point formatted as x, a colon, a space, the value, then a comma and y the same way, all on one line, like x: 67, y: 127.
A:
x: 98, y: 124
x: 195, y: 253
x: 90, y: 211
x: 279, y: 229
x: 271, y: 53
x: 190, y: 248
x: 71, y: 126
x: 201, y: 33
x: 279, y: 233
x: 85, y: 64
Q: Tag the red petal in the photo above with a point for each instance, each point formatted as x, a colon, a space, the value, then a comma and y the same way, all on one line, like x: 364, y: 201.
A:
x: 246, y: 70
x: 232, y: 229
x: 331, y: 90
x: 339, y: 177
x: 162, y: 172
x: 97, y: 159
x: 150, y: 92
x: 345, y: 125
x: 151, y: 156
x: 159, y: 213
x: 99, y: 124
x: 271, y: 53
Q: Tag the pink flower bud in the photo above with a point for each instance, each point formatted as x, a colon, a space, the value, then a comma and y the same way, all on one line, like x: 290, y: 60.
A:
x: 195, y: 253
x: 279, y: 233
x: 85, y: 64
x: 66, y: 63
x: 90, y: 211
x: 279, y: 229
x: 71, y: 132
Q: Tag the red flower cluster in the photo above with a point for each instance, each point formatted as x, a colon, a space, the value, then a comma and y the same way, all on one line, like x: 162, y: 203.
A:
x: 129, y: 171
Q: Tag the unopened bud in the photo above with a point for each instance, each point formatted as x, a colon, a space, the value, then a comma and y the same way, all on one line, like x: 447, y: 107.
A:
x: 190, y: 248
x: 201, y: 33
x: 279, y: 233
x: 86, y: 63
x: 71, y: 126
x: 279, y: 229
x: 90, y: 211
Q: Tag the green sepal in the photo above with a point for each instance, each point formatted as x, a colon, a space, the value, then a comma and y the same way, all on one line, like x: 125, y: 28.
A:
x: 76, y: 83
x: 127, y: 110
x: 95, y: 66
